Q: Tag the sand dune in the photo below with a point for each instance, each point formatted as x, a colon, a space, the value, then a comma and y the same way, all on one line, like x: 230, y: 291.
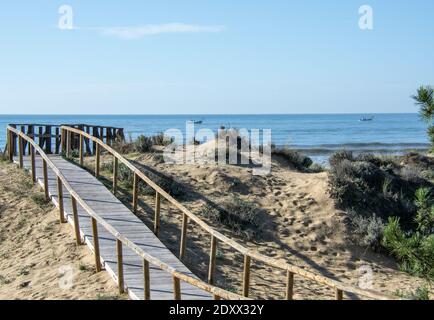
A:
x: 38, y: 257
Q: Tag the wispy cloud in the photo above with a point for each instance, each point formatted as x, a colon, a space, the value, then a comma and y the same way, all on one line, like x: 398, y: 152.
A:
x: 149, y: 30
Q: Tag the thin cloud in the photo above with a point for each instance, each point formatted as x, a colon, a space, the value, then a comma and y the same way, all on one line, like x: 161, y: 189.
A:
x: 150, y: 30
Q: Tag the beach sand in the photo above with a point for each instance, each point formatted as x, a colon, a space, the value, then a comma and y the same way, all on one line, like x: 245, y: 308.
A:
x: 38, y: 256
x: 300, y: 222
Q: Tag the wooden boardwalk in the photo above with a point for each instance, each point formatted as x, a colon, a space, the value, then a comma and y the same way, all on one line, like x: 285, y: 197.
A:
x: 105, y: 204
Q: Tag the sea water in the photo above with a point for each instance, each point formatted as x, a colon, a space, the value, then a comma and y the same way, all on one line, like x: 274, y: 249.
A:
x: 315, y: 135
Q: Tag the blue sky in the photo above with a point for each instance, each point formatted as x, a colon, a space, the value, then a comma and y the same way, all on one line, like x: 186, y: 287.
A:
x: 238, y: 57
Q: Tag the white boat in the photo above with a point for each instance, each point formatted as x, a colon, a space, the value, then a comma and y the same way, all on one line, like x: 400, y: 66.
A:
x: 196, y: 121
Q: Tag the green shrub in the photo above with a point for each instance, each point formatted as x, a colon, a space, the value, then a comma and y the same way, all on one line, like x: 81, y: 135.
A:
x: 366, y: 231
x: 425, y: 214
x: 161, y: 140
x: 295, y: 158
x: 316, y: 168
x: 242, y: 217
x: 339, y: 156
x: 414, y: 248
x: 143, y: 144
x: 374, y: 185
x: 421, y: 293
x: 3, y: 156
x: 425, y: 100
x: 124, y: 147
x: 168, y: 184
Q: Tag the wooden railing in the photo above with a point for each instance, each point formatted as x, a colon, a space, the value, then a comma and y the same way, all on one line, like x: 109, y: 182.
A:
x: 121, y: 240
x: 249, y: 254
x: 49, y: 138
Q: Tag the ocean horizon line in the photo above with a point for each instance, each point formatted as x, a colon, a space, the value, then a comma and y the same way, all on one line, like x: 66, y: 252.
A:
x: 205, y: 114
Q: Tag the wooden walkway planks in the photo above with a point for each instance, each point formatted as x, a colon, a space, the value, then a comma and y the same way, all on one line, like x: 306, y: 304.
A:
x: 105, y: 204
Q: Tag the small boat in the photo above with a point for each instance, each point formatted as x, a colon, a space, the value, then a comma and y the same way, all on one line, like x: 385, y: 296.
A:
x: 364, y: 119
x: 196, y: 121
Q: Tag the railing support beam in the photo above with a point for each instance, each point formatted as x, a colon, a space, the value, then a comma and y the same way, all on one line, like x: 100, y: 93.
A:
x: 121, y: 283
x: 97, y: 160
x: 96, y: 245
x: 45, y: 173
x: 212, y: 260
x: 176, y: 289
x: 135, y: 192
x: 76, y: 221
x: 146, y: 279
x: 339, y: 294
x: 81, y: 150
x: 246, y: 276
x: 60, y: 200
x: 21, y: 152
x: 183, y: 236
x: 33, y: 164
x: 157, y: 214
x: 115, y: 174
x: 289, y: 285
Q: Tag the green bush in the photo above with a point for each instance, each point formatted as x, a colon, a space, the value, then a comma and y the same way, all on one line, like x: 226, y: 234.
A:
x: 339, y: 156
x: 295, y: 158
x: 143, y: 144
x: 414, y: 248
x: 371, y: 185
x: 242, y: 217
x: 421, y: 293
x: 316, y: 168
x: 366, y: 231
x: 3, y: 156
x: 425, y: 100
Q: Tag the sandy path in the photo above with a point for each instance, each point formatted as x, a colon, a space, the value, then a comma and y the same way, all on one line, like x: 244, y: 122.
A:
x: 38, y: 257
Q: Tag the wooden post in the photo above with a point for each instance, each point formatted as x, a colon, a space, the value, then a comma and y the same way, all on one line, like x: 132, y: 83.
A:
x: 48, y: 139
x: 212, y: 260
x: 183, y: 236
x: 21, y: 151
x: 176, y: 289
x: 289, y: 285
x: 41, y: 137
x: 10, y: 146
x: 115, y: 174
x: 62, y: 140
x: 246, y: 276
x: 339, y: 294
x: 147, y: 284
x: 8, y: 143
x: 57, y: 141
x: 60, y: 200
x: 97, y: 160
x: 120, y: 267
x: 68, y: 144
x: 31, y: 134
x: 76, y: 221
x: 96, y: 245
x: 157, y: 214
x: 135, y: 192
x: 33, y: 164
x: 45, y: 170
x: 14, y: 142
x: 81, y: 150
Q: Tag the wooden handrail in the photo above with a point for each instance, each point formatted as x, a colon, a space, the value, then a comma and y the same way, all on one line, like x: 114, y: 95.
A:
x: 249, y: 254
x: 121, y: 239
